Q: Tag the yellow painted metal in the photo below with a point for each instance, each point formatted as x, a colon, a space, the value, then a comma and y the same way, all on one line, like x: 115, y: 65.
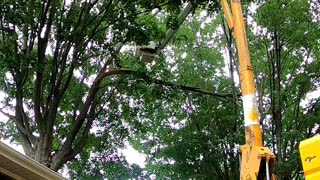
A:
x: 310, y: 157
x: 226, y: 9
x: 246, y: 71
x: 254, y: 155
x: 253, y: 160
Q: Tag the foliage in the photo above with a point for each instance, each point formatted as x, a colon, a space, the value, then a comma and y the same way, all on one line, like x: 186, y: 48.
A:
x: 285, y: 58
x: 75, y: 91
x: 185, y: 138
x: 63, y: 75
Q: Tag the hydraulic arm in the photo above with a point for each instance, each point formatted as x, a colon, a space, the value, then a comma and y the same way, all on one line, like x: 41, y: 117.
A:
x: 257, y: 161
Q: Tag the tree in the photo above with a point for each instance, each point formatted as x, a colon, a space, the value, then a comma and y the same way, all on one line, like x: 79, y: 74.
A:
x: 63, y: 73
x: 283, y: 39
x: 192, y: 135
x: 75, y: 91
x: 285, y: 56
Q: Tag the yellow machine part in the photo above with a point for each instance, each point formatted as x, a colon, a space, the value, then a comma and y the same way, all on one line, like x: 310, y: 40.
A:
x: 254, y: 159
x: 310, y: 157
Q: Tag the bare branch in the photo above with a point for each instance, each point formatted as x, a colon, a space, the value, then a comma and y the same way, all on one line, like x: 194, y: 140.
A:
x: 164, y: 83
x: 7, y: 114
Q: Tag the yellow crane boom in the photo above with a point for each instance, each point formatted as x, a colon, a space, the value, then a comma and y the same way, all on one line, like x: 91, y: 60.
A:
x: 257, y: 162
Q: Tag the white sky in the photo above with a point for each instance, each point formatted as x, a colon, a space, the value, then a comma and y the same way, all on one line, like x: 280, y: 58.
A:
x: 133, y: 156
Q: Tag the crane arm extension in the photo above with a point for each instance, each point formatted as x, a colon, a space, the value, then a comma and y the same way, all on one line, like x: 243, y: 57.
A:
x: 257, y: 161
x: 227, y: 12
x: 183, y: 15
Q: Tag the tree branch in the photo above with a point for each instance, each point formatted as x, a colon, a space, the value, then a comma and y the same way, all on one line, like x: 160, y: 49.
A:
x: 164, y: 83
x: 19, y: 125
x: 189, y: 88
x: 26, y: 124
x: 91, y: 116
x: 67, y: 151
x: 42, y: 46
x: 27, y: 139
